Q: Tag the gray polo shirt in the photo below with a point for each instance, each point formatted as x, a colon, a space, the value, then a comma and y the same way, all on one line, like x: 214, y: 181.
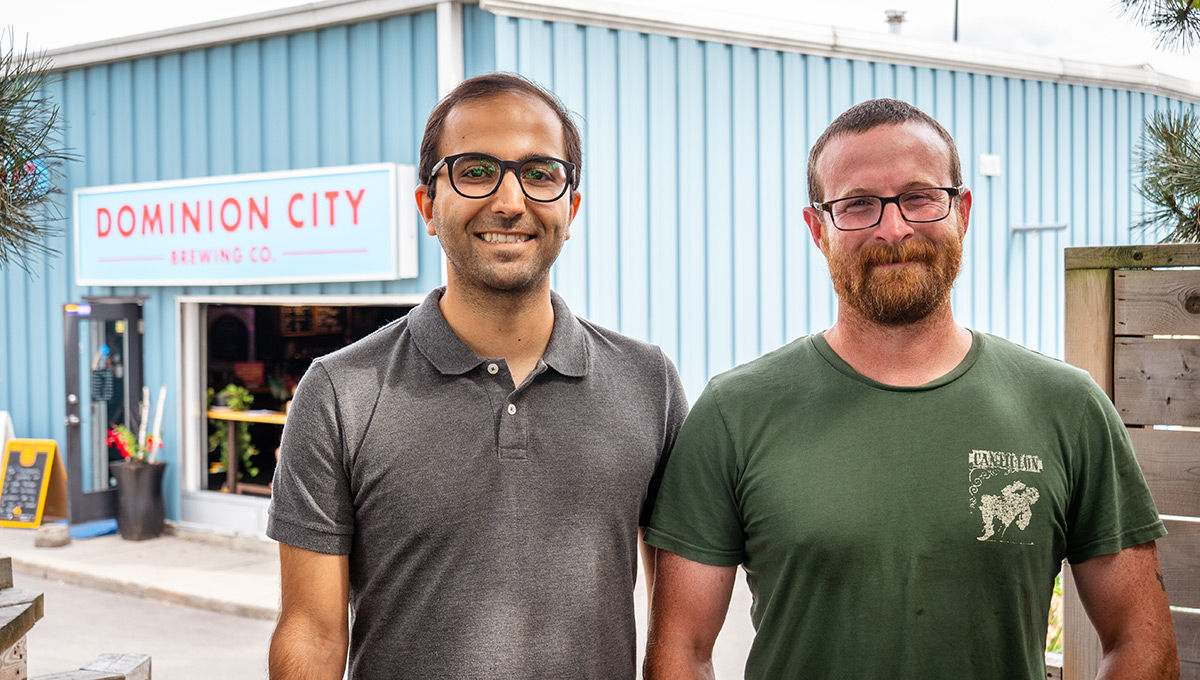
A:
x: 492, y: 531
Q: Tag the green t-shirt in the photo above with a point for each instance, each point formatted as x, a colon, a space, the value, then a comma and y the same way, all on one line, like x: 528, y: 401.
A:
x: 901, y: 532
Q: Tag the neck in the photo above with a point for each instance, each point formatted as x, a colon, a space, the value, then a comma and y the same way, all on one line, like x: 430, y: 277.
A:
x: 513, y: 325
x: 908, y: 355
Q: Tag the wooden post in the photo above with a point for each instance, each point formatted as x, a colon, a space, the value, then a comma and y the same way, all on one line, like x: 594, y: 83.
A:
x: 1089, y: 345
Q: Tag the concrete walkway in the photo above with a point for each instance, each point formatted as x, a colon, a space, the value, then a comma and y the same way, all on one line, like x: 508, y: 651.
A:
x: 240, y: 575
x: 230, y: 575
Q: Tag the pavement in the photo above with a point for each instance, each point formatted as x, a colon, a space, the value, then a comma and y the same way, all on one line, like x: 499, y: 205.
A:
x: 236, y: 575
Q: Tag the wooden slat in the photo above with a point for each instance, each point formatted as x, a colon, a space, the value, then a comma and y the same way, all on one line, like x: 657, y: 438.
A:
x: 1081, y: 645
x: 1187, y: 637
x: 1089, y: 323
x: 1089, y: 318
x: 1133, y: 257
x: 1170, y: 461
x: 1179, y: 555
x: 1157, y: 302
x: 1157, y: 381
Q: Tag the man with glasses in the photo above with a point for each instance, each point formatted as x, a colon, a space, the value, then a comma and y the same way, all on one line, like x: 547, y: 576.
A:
x: 470, y: 480
x: 899, y: 489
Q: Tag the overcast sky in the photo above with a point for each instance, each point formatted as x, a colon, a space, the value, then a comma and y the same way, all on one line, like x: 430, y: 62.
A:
x: 1087, y: 30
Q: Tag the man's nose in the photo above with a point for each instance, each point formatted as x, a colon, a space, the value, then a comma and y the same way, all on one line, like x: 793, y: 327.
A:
x: 509, y: 199
x: 892, y: 226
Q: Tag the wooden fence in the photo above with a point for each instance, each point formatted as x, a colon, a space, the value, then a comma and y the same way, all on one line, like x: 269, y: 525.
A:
x: 1133, y: 322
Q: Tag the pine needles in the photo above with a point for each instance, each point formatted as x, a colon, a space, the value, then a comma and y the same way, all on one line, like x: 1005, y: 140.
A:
x: 1170, y: 169
x: 31, y: 153
x: 1177, y: 22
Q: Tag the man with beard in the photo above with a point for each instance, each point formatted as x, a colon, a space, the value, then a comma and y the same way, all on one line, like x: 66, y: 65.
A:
x: 470, y: 480
x: 899, y: 489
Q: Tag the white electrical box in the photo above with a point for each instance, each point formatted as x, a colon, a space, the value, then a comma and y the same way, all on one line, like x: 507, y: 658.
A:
x: 989, y: 165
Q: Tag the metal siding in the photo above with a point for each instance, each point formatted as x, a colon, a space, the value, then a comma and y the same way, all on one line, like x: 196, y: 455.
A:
x: 597, y: 225
x: 632, y: 210
x: 274, y: 104
x: 665, y: 227
x: 711, y: 259
x: 693, y: 242
x: 745, y: 222
x: 796, y: 243
x: 770, y: 187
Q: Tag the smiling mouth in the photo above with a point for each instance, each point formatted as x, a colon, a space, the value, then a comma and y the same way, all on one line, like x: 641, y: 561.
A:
x: 493, y: 237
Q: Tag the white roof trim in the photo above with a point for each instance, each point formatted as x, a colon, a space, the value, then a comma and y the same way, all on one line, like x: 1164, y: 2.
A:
x: 828, y: 41
x: 306, y: 17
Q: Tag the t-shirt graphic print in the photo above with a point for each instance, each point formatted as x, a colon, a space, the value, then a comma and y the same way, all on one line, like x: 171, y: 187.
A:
x: 1003, y: 492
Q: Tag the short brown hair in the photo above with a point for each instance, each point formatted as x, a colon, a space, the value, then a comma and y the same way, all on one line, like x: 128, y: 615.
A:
x: 867, y: 116
x: 489, y: 85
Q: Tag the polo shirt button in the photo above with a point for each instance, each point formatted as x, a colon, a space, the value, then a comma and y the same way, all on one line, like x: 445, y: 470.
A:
x: 512, y: 409
x: 493, y: 369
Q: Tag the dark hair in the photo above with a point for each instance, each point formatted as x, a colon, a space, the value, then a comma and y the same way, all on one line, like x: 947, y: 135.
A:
x: 867, y: 116
x: 489, y: 85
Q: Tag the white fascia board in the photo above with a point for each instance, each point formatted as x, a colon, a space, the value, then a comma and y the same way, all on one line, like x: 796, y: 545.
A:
x: 793, y: 36
x: 296, y: 19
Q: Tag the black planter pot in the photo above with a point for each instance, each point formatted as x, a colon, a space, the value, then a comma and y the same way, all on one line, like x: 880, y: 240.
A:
x: 140, y: 510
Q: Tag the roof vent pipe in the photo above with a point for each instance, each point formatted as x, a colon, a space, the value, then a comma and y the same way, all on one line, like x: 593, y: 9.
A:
x: 895, y: 17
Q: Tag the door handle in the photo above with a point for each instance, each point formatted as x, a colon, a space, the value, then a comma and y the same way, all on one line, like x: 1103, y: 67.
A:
x: 73, y: 420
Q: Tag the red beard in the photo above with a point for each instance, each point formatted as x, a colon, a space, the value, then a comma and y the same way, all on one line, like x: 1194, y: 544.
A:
x: 896, y: 297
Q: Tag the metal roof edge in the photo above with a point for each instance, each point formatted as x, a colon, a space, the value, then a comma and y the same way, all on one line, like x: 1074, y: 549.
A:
x: 828, y: 41
x: 305, y: 17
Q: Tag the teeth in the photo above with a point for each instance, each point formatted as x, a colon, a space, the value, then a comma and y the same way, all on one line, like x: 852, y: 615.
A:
x: 491, y: 237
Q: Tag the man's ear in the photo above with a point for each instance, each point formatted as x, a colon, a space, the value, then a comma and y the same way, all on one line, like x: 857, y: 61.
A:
x: 964, y: 209
x: 425, y: 205
x: 813, y: 217
x: 575, y: 199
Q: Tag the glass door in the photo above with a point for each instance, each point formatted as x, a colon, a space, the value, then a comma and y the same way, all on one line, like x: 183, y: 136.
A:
x: 103, y: 350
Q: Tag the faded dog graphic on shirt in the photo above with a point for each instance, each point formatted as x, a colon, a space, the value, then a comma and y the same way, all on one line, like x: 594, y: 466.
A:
x: 1014, y: 504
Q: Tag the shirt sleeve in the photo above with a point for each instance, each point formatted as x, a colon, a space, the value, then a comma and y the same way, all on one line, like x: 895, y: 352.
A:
x: 674, y: 411
x: 311, y: 502
x: 1111, y: 508
x: 696, y: 515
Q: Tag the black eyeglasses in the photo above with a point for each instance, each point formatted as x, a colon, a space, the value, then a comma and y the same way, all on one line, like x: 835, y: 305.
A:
x: 863, y: 212
x: 478, y: 175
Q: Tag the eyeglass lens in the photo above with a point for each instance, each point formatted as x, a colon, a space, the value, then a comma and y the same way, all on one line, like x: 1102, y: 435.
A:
x: 861, y: 212
x: 478, y: 175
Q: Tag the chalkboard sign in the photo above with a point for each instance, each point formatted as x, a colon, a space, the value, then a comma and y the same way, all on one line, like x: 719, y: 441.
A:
x: 32, y: 482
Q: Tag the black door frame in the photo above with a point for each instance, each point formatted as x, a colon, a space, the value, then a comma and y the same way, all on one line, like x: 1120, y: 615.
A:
x: 95, y: 505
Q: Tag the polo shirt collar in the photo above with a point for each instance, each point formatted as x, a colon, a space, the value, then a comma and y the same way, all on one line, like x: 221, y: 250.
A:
x: 567, y: 352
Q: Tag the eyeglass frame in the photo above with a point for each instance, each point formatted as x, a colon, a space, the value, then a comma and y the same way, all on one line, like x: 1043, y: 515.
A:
x: 448, y: 163
x: 954, y: 193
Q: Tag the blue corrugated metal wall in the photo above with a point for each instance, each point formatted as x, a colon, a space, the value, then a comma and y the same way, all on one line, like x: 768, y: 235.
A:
x: 691, y: 232
x: 335, y: 96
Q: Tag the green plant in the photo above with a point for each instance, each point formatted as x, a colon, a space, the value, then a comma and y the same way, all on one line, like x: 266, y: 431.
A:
x: 1054, y: 628
x: 237, y: 398
x: 1170, y: 169
x: 30, y: 153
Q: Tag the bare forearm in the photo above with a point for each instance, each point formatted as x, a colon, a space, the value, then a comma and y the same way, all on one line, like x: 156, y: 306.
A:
x: 298, y: 654
x: 676, y: 662
x: 1144, y: 661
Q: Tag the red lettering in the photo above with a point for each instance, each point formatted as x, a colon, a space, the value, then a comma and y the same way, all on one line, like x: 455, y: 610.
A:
x: 105, y: 228
x: 238, y: 221
x: 354, y: 201
x: 132, y: 220
x: 210, y: 220
x: 264, y: 254
x: 291, y: 216
x: 314, y: 199
x: 237, y: 255
x: 171, y: 209
x: 331, y: 196
x: 205, y: 257
x: 195, y: 219
x: 150, y: 221
x: 262, y: 214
